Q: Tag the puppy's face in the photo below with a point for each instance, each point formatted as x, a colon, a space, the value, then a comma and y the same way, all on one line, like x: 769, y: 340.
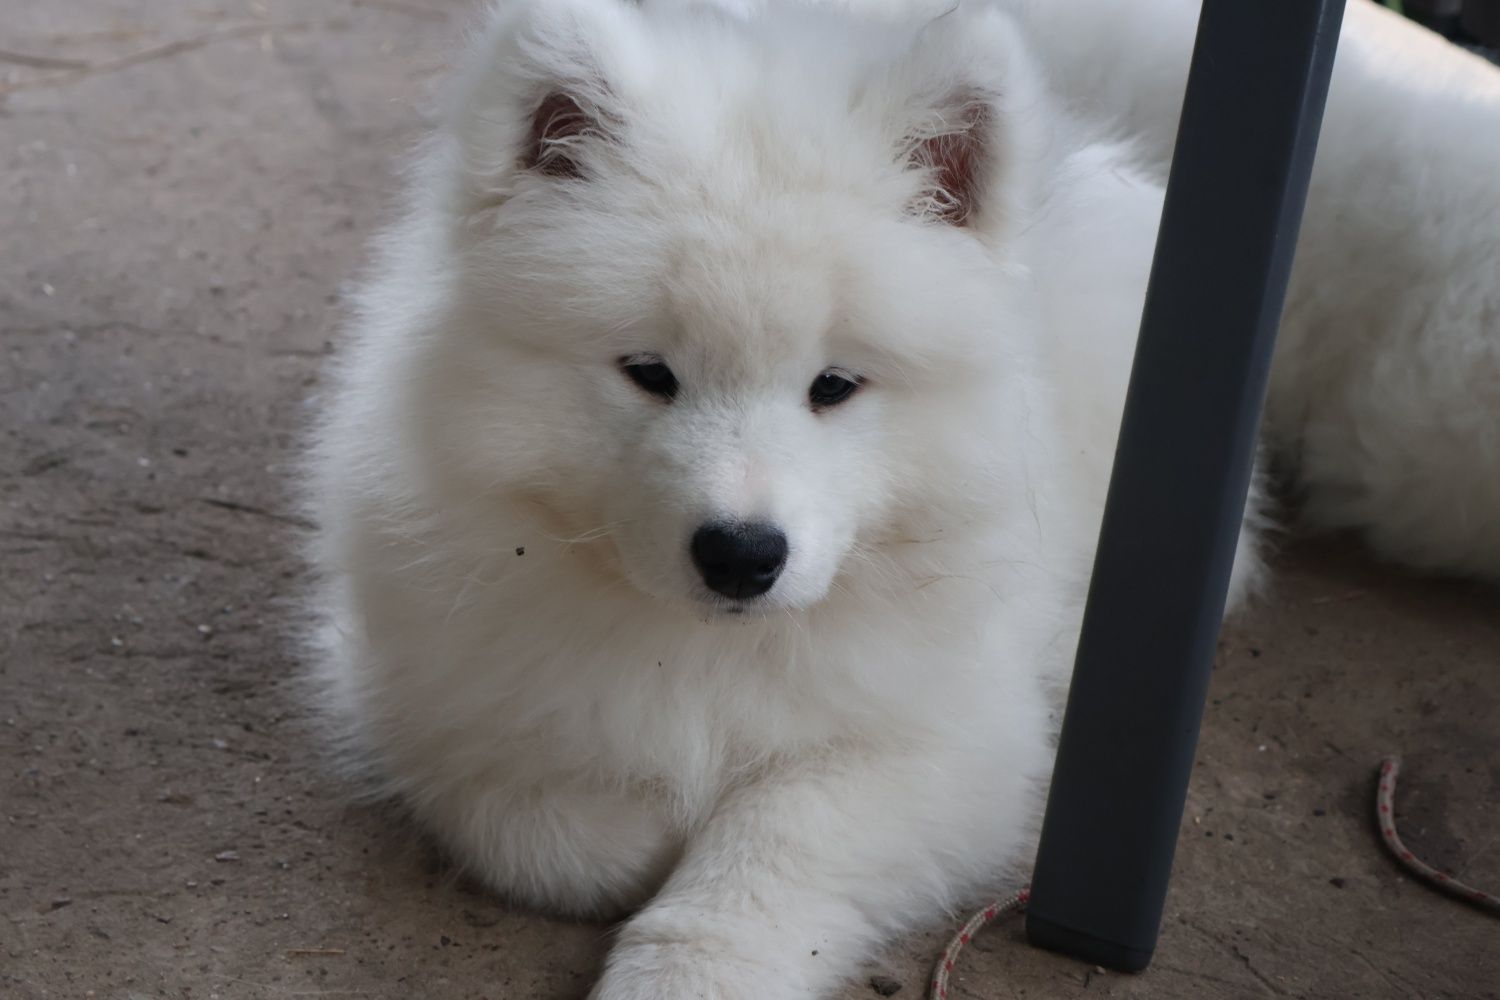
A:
x: 734, y: 346
x: 745, y: 423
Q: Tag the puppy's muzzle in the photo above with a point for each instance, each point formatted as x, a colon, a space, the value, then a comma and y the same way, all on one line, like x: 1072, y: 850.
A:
x: 739, y: 561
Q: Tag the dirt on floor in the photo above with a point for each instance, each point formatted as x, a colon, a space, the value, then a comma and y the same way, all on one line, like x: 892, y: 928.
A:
x: 184, y: 189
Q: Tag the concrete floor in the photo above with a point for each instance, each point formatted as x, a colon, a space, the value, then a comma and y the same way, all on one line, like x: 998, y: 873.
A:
x: 174, y: 236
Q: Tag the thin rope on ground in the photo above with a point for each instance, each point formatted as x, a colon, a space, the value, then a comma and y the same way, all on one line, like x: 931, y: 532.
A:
x: 1385, y: 818
x: 999, y: 908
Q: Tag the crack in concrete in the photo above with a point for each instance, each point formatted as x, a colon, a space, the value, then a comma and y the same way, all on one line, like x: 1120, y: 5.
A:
x: 166, y: 50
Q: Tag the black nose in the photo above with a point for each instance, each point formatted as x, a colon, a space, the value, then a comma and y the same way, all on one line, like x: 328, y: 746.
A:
x: 739, y: 560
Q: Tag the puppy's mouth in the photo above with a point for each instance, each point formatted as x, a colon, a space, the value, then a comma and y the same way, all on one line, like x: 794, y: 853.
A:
x: 713, y: 608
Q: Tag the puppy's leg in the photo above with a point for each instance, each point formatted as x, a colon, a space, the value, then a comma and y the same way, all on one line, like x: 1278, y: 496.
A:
x: 794, y: 878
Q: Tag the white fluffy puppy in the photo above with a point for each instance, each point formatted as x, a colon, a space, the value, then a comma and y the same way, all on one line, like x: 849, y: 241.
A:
x: 1385, y: 394
x: 710, y: 487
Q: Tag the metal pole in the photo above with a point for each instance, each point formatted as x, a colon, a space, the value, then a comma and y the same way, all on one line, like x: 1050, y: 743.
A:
x: 1250, y: 119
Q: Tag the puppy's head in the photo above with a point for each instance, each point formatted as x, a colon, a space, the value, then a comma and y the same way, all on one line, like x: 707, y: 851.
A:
x: 731, y: 297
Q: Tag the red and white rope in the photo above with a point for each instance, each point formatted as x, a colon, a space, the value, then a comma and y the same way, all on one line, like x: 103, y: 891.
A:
x: 1385, y: 817
x: 999, y: 908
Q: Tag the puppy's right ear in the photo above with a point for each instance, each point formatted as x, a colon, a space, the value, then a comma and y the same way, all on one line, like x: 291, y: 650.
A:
x: 535, y: 98
x: 558, y: 126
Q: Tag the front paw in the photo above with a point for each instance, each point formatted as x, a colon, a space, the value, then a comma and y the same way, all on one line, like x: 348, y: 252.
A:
x: 669, y: 972
x: 689, y: 968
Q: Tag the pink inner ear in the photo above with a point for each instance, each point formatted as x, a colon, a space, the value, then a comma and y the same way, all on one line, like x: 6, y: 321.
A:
x: 957, y: 159
x: 557, y: 119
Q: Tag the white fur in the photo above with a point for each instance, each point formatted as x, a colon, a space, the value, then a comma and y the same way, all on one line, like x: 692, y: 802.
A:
x: 1385, y: 395
x: 515, y: 642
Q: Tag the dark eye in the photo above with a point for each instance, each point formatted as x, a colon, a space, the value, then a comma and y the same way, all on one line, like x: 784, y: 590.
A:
x: 651, y: 375
x: 831, y: 388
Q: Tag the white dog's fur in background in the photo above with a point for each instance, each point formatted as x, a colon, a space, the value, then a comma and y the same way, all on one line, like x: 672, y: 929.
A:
x: 1385, y: 396
x: 516, y: 641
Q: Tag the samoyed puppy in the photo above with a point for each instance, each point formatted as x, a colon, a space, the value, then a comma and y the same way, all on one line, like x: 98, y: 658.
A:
x: 710, y: 482
x: 1384, y: 401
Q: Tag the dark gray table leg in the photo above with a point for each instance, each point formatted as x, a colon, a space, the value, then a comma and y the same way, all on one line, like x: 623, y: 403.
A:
x: 1250, y: 121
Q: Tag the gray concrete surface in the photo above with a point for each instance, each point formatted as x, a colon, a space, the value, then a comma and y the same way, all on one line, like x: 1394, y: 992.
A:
x: 175, y: 230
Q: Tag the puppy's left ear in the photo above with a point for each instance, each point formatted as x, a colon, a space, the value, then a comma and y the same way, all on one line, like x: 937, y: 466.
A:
x: 956, y: 150
x: 967, y: 94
